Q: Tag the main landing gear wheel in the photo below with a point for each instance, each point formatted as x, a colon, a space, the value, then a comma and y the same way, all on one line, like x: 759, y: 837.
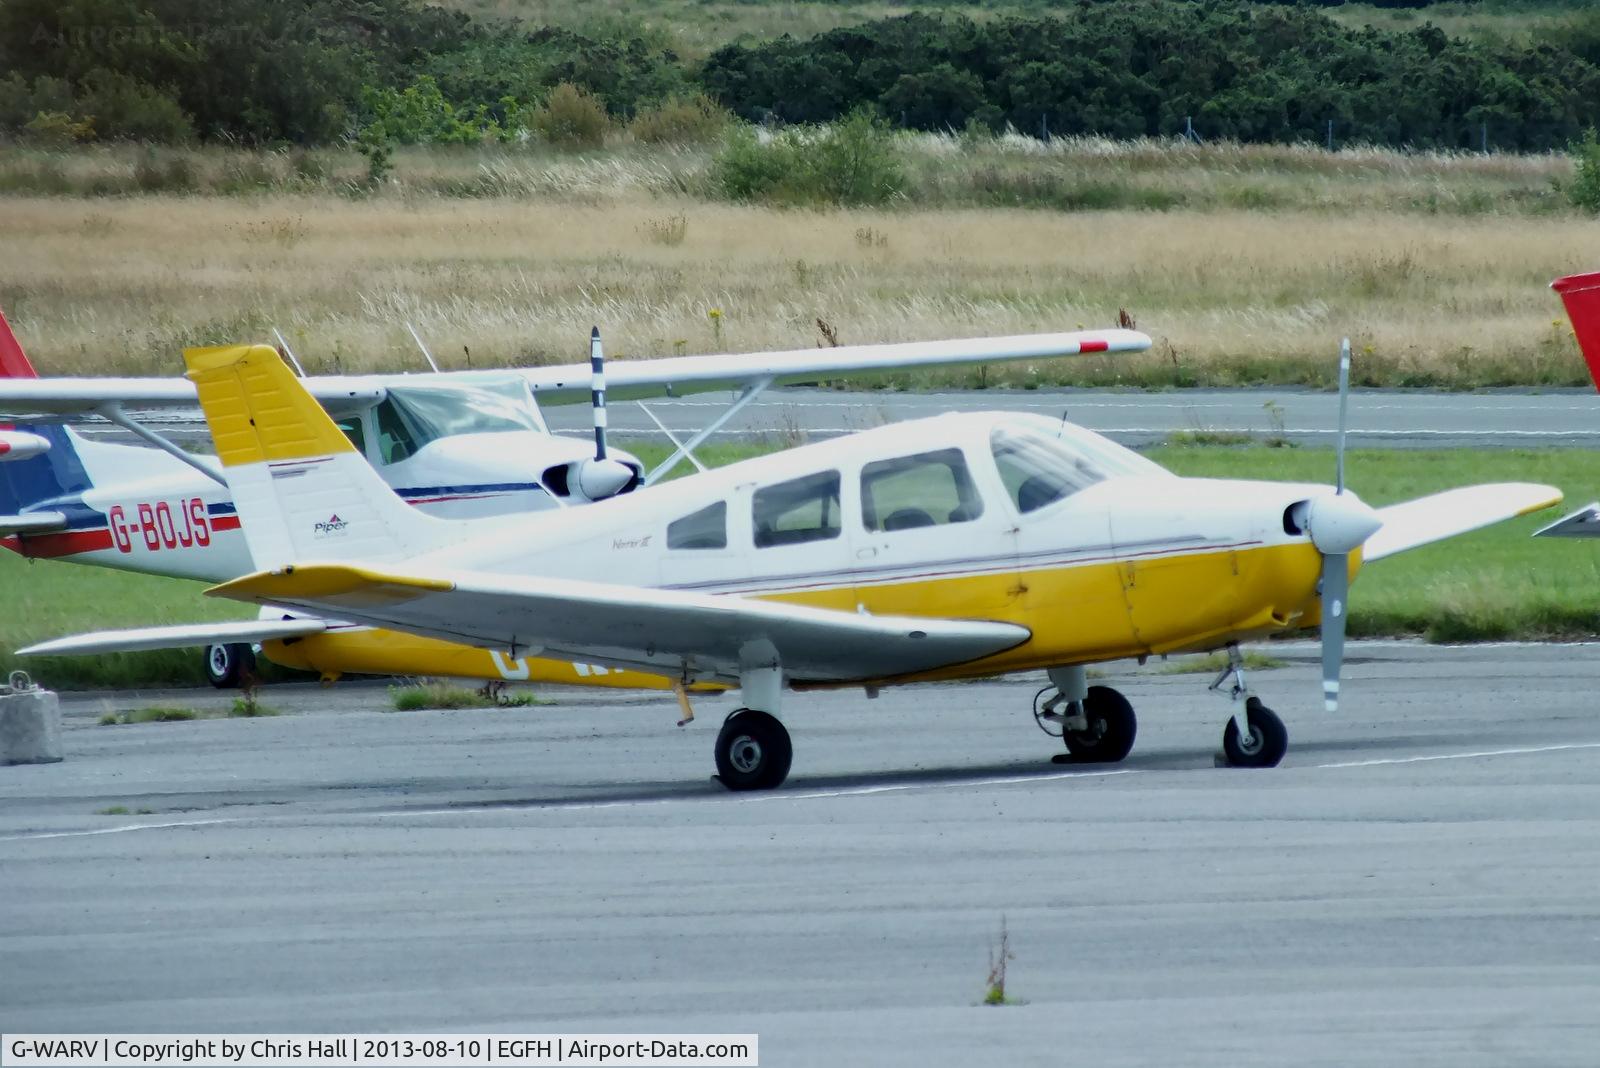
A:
x: 227, y: 664
x: 1267, y: 742
x: 753, y: 751
x: 1110, y: 733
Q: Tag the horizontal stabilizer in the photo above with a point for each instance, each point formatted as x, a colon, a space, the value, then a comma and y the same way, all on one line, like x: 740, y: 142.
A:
x: 32, y: 523
x: 1453, y: 512
x: 1584, y: 523
x: 183, y: 636
x: 664, y: 631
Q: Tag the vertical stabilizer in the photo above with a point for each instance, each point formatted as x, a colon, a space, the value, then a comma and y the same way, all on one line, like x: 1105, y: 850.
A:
x: 1581, y: 294
x: 14, y: 362
x: 46, y: 479
x: 303, y: 492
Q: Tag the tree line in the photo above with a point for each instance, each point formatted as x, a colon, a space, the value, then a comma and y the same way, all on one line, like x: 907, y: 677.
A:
x: 325, y: 71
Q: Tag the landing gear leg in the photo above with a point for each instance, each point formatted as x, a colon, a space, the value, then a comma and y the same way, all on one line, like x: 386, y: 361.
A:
x: 1096, y: 723
x: 753, y: 750
x: 1255, y: 737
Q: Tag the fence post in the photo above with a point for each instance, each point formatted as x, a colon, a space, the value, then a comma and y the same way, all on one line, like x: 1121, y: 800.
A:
x: 1483, y: 137
x: 1330, y: 135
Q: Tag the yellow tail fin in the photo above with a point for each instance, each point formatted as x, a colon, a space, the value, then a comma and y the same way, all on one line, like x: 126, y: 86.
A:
x: 256, y: 408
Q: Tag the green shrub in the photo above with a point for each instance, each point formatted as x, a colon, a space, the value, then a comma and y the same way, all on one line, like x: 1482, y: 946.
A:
x: 853, y: 161
x: 571, y: 118
x: 57, y: 129
x: 1584, y: 190
x: 126, y: 109
x: 680, y: 121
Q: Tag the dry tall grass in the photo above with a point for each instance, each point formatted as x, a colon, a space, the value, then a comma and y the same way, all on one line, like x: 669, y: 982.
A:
x: 120, y: 285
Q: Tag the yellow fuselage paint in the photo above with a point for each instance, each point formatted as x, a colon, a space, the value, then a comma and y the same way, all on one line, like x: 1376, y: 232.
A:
x: 1115, y: 610
x: 388, y: 652
x: 1084, y: 613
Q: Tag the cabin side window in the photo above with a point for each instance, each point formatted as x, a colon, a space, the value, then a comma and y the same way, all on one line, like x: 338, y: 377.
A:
x: 929, y: 489
x: 353, y: 428
x: 705, y: 529
x: 800, y: 510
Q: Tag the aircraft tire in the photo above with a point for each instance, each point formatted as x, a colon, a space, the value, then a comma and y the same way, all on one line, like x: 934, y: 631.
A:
x: 227, y: 664
x: 1268, y: 740
x: 753, y: 751
x: 1112, y: 728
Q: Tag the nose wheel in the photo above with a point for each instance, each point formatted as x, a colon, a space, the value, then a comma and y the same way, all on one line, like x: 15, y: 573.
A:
x: 1263, y: 743
x: 1255, y: 737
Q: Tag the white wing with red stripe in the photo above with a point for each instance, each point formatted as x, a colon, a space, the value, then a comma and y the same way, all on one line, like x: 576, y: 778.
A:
x: 74, y: 397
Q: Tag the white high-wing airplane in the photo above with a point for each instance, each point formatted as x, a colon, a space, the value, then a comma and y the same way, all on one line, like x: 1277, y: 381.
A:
x: 951, y: 547
x: 459, y: 444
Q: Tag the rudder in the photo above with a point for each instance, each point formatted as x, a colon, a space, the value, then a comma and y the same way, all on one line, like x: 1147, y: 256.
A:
x: 1581, y: 295
x: 39, y: 480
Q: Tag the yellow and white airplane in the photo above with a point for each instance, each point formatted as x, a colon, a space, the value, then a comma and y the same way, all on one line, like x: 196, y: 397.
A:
x: 459, y: 444
x: 951, y: 547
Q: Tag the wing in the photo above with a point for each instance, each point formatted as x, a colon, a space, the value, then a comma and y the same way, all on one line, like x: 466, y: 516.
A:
x: 26, y: 400
x: 632, y: 379
x: 1584, y: 523
x: 1457, y: 511
x: 178, y: 637
x: 668, y: 632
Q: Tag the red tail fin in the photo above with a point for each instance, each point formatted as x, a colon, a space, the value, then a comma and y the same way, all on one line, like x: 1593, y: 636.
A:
x: 1581, y: 294
x: 13, y: 361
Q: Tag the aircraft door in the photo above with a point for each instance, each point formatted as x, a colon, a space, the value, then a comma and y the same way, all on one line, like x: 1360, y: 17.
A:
x: 929, y: 538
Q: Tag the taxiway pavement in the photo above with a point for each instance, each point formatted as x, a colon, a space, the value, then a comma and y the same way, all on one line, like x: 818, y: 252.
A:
x: 1415, y: 885
x: 1378, y: 418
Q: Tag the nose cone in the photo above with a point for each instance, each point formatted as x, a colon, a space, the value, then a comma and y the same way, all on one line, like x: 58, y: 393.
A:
x: 599, y: 479
x: 1340, y: 523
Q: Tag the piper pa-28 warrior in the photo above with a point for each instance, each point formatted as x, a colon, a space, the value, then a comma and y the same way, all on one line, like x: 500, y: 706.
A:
x: 958, y: 546
x: 461, y: 444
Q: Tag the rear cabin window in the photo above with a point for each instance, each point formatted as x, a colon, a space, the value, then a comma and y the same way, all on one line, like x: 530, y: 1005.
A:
x: 929, y: 489
x: 801, y: 510
x: 705, y: 529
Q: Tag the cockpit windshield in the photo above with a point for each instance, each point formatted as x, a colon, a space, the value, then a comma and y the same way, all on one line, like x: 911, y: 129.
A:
x: 1041, y: 466
x: 412, y: 416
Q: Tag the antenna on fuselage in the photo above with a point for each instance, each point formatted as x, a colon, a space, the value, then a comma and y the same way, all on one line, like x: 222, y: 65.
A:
x: 288, y: 353
x: 426, y: 355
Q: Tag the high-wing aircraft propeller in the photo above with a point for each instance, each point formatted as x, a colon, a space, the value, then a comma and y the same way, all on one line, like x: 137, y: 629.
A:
x: 602, y: 476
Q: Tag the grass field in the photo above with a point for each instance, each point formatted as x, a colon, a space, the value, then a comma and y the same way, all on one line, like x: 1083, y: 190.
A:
x: 1245, y: 264
x: 1497, y: 583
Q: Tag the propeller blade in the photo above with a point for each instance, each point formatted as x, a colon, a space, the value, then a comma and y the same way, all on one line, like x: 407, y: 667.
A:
x: 1335, y: 595
x: 1344, y: 402
x: 597, y: 392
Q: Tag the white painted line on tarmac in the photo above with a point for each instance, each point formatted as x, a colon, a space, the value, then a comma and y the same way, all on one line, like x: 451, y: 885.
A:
x: 120, y: 830
x: 1518, y: 751
x: 794, y: 795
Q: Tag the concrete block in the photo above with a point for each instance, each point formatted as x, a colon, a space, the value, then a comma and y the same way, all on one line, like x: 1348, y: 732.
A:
x: 30, y: 726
